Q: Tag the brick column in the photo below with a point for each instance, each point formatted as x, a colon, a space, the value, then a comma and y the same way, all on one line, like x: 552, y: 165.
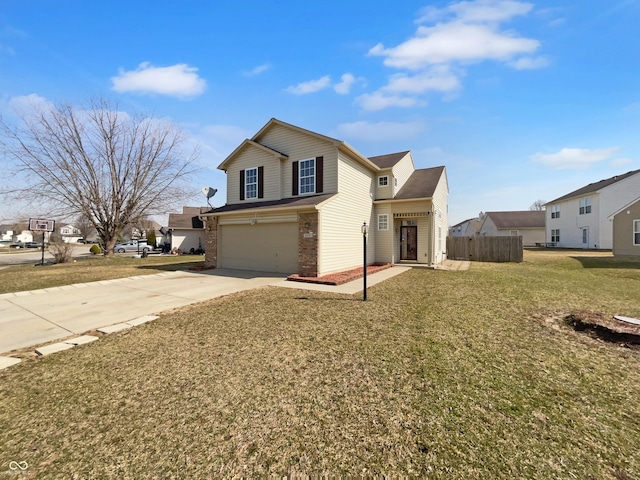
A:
x: 211, y: 242
x: 308, y: 244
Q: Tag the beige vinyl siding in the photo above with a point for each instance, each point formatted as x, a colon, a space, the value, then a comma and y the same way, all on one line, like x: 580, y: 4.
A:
x: 341, y: 219
x: 300, y: 146
x: 387, y: 191
x: 440, y: 218
x: 402, y: 171
x: 252, y: 157
x: 384, y: 249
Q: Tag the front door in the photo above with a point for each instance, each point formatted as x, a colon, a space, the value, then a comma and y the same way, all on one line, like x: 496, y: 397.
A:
x: 408, y: 243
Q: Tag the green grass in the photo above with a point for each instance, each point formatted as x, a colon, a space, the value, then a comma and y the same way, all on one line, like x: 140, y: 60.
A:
x: 90, y: 269
x: 444, y: 375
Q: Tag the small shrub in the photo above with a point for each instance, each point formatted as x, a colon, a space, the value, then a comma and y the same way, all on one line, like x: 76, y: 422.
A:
x: 95, y: 249
x: 61, y: 251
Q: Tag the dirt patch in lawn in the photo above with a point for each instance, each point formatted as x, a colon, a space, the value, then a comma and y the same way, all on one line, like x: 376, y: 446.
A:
x: 340, y: 277
x: 605, y: 327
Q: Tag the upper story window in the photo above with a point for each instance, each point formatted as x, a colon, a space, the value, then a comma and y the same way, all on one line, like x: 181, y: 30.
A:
x: 308, y: 176
x: 585, y: 205
x: 251, y: 183
x: 383, y: 181
x: 636, y: 232
x: 555, y: 211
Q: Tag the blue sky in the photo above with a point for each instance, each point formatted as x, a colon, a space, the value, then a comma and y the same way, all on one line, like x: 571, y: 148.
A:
x: 519, y: 100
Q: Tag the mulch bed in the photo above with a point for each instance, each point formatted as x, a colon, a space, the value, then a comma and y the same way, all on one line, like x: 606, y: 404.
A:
x: 605, y: 327
x: 340, y: 277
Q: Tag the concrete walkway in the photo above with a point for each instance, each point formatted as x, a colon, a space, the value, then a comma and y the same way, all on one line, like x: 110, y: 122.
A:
x: 36, y: 317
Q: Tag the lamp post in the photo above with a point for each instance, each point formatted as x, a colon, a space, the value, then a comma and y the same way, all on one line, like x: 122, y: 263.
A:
x: 364, y: 230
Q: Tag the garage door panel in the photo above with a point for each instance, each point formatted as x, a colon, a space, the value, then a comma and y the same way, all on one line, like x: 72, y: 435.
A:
x: 269, y: 247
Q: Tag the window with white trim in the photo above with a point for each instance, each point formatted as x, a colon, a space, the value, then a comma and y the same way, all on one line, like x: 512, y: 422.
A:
x: 555, y: 235
x: 251, y: 183
x: 383, y: 181
x: 514, y: 233
x: 308, y: 176
x: 555, y: 211
x: 383, y: 221
x: 636, y: 232
x: 585, y: 205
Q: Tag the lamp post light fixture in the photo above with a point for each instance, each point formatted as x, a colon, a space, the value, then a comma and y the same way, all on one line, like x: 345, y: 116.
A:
x: 364, y: 230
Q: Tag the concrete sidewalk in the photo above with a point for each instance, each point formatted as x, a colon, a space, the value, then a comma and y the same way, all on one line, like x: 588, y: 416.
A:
x: 36, y: 317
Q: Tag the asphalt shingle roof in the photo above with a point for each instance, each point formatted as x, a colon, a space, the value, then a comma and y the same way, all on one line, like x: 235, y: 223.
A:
x: 518, y: 219
x: 421, y: 184
x: 388, y: 160
x: 594, y: 187
x: 285, y: 202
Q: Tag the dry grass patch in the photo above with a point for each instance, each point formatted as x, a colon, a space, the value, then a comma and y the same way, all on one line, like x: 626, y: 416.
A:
x: 89, y: 269
x: 439, y: 375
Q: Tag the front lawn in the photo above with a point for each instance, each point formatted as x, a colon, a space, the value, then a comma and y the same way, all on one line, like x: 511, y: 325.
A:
x: 90, y: 269
x: 447, y: 375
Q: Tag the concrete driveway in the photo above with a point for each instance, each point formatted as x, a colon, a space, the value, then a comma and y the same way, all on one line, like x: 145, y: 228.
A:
x: 39, y: 316
x: 36, y: 317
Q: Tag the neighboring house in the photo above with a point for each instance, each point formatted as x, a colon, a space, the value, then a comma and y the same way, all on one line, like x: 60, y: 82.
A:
x: 528, y: 223
x: 70, y: 233
x: 296, y: 202
x: 187, y: 229
x: 626, y: 229
x: 467, y: 228
x: 580, y: 219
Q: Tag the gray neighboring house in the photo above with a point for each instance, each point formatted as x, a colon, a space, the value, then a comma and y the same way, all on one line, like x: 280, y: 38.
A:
x: 527, y: 223
x: 626, y: 229
x: 187, y: 229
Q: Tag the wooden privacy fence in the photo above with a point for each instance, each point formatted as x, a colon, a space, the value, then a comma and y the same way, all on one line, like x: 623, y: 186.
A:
x: 485, y: 249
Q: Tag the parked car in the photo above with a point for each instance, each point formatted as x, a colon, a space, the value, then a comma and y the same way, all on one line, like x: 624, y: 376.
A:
x: 32, y: 245
x: 16, y: 245
x: 132, y: 246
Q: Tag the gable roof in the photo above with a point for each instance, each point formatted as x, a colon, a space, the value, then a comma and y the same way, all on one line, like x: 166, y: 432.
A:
x: 594, y: 187
x: 518, y: 219
x: 188, y: 219
x: 421, y: 184
x: 388, y: 160
x: 249, y: 143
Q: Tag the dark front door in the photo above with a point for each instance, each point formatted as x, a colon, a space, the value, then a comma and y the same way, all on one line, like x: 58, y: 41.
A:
x: 408, y: 243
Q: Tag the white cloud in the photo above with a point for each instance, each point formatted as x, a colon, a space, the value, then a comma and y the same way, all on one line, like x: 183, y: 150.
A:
x: 529, y: 63
x: 461, y: 34
x: 257, y: 70
x: 381, y: 131
x: 478, y: 11
x: 26, y: 105
x: 344, y: 87
x: 574, y: 158
x: 179, y: 80
x: 380, y: 100
x: 454, y: 42
x: 440, y: 79
x: 311, y: 86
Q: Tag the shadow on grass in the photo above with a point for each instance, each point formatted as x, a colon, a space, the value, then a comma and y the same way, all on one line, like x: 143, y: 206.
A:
x: 173, y: 267
x: 333, y: 299
x: 608, y: 262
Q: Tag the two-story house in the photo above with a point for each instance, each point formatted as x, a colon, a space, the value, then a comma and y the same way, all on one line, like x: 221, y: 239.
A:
x: 296, y: 202
x: 580, y: 219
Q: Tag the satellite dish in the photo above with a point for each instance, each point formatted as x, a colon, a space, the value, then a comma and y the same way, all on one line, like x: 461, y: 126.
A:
x: 209, y: 192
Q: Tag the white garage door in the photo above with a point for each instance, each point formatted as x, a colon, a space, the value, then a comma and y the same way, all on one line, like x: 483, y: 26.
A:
x: 267, y: 247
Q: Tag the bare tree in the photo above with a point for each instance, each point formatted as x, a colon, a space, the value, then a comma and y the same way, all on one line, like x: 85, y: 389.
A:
x: 99, y: 162
x: 84, y: 226
x: 538, y: 205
